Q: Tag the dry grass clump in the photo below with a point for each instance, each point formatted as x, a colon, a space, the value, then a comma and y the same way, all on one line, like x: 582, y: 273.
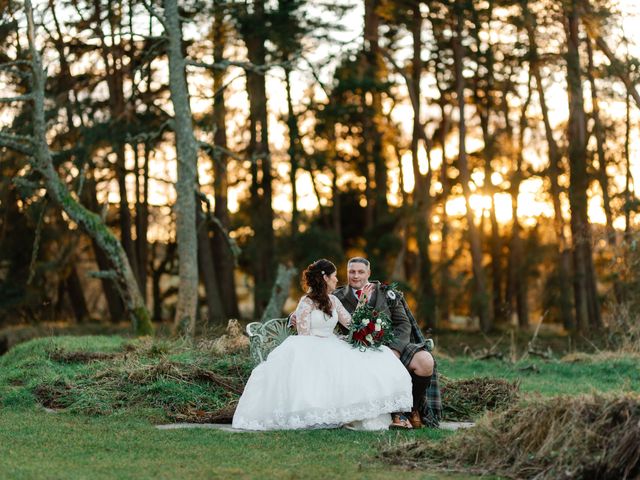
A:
x: 599, y: 357
x: 586, y: 437
x: 144, y: 374
x: 233, y: 340
x: 470, y: 398
x: 165, y: 378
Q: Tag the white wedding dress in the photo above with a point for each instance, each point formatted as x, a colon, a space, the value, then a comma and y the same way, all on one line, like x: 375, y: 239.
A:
x: 317, y: 380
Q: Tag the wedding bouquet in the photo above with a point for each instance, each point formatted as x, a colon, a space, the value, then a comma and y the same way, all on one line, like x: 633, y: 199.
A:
x: 369, y: 328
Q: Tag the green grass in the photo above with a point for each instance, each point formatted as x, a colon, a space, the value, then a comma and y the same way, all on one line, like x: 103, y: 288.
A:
x: 34, y: 444
x: 554, y: 377
x: 118, y: 439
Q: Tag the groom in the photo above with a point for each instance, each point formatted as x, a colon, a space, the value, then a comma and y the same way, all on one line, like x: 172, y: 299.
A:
x: 408, y: 343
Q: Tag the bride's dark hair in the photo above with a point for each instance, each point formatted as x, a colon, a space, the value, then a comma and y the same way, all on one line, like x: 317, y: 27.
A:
x: 314, y: 283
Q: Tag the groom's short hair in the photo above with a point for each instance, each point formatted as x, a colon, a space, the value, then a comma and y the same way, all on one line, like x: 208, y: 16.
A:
x: 359, y: 260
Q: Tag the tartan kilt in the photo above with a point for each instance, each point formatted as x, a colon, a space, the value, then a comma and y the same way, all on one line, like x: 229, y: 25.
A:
x: 431, y: 410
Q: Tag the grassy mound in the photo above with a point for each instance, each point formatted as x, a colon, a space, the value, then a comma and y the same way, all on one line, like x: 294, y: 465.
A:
x: 159, y: 379
x: 470, y: 398
x: 580, y: 437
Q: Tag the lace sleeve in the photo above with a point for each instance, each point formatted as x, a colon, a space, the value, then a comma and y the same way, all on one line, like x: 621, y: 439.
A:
x: 344, y: 317
x: 303, y: 315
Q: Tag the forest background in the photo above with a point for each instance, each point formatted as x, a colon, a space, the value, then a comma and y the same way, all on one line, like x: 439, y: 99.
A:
x: 159, y: 161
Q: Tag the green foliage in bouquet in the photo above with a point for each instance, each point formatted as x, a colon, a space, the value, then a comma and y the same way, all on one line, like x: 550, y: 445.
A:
x: 369, y: 328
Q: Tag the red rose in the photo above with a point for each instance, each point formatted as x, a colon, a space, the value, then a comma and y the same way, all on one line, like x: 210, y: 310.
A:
x: 371, y: 327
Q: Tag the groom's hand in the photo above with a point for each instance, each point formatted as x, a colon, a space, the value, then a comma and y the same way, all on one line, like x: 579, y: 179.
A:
x: 368, y: 290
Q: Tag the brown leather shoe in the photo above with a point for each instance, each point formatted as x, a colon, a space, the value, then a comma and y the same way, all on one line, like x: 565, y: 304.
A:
x: 415, y: 420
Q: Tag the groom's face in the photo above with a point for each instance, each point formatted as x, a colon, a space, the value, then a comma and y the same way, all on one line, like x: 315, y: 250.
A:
x: 358, y: 274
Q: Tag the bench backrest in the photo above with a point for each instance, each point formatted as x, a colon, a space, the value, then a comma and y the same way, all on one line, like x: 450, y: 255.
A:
x: 265, y: 336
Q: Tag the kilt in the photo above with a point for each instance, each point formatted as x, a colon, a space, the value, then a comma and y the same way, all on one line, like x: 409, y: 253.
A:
x: 431, y: 411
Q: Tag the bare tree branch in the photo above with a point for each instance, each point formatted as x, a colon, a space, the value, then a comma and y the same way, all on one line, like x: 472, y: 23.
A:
x: 213, y: 150
x: 18, y: 98
x: 152, y: 10
x: 224, y: 64
x: 620, y: 69
x: 15, y: 142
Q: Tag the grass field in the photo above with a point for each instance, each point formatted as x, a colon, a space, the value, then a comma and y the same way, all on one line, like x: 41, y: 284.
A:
x: 105, y: 433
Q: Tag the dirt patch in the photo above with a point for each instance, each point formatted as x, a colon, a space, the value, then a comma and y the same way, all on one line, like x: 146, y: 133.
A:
x: 464, y: 400
x: 586, y: 437
x: 54, y: 396
x: 221, y: 415
x: 63, y: 356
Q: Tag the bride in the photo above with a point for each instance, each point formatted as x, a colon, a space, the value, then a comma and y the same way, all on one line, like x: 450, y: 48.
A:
x: 317, y: 380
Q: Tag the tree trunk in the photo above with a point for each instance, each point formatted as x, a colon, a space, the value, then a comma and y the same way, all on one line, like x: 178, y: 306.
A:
x: 187, y: 159
x: 78, y: 302
x: 627, y: 177
x: 585, y: 294
x: 421, y: 193
x: 372, y: 134
x: 563, y: 258
x: 87, y: 220
x: 261, y: 181
x: 485, y: 105
x: 294, y: 140
x: 142, y: 219
x: 112, y: 297
x: 112, y: 56
x: 222, y: 253
x: 444, y: 297
x: 481, y: 300
x: 208, y: 269
x: 603, y: 177
x: 517, y: 274
x: 279, y: 293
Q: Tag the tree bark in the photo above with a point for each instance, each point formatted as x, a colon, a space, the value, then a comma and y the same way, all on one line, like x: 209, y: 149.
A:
x: 627, y: 177
x: 603, y: 177
x: 555, y: 157
x: 481, y: 300
x: 208, y: 269
x: 279, y: 293
x: 372, y: 134
x: 421, y: 194
x: 261, y: 176
x: 444, y: 297
x: 294, y: 140
x: 78, y: 302
x: 112, y: 297
x: 517, y: 274
x: 485, y: 105
x: 187, y: 159
x: 585, y: 294
x: 225, y: 259
x: 142, y: 218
